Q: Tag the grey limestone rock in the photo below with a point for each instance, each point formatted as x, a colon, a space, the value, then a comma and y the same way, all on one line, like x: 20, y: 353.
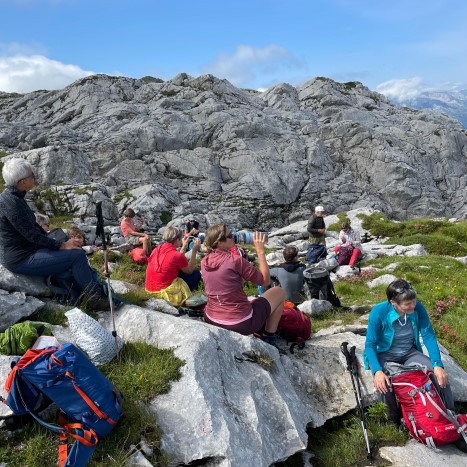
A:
x: 30, y: 285
x: 417, y: 455
x: 16, y: 305
x: 254, y: 159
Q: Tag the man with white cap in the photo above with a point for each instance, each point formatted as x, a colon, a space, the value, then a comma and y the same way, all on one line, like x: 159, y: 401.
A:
x: 316, y: 227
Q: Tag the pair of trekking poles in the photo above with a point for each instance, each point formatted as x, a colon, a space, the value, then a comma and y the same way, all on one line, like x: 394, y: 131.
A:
x: 352, y: 367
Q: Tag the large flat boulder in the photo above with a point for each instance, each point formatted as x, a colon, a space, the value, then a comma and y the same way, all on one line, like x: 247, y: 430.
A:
x: 30, y: 285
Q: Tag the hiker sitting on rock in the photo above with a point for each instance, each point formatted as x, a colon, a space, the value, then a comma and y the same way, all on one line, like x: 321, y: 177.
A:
x: 169, y: 275
x: 25, y: 248
x: 393, y: 335
x: 131, y: 231
x: 351, y: 241
x: 289, y: 275
x: 223, y: 273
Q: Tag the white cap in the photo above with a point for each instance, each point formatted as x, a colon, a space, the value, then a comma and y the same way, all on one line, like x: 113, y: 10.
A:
x: 319, y: 209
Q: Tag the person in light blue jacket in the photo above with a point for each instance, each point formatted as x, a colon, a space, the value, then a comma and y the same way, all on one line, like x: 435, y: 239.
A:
x: 393, y: 335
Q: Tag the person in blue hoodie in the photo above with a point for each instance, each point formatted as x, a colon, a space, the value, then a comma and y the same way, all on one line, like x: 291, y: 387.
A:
x: 393, y: 335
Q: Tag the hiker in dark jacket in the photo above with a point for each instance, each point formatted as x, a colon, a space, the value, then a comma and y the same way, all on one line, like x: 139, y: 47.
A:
x: 24, y: 246
x: 290, y: 275
x: 316, y: 227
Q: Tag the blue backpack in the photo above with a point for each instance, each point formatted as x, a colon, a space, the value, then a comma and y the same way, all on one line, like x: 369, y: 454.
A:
x: 315, y: 253
x: 91, y: 403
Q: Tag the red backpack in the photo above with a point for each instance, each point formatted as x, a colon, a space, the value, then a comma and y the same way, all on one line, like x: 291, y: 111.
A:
x: 344, y: 255
x: 138, y: 255
x: 294, y: 326
x: 427, y: 418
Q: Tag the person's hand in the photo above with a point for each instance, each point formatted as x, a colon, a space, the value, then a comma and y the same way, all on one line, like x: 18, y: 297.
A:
x: 321, y: 230
x: 441, y: 376
x: 75, y: 243
x: 196, y: 245
x: 381, y: 382
x: 259, y: 240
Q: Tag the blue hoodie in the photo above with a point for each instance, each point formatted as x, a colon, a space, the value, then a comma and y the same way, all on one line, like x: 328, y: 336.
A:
x: 380, y: 334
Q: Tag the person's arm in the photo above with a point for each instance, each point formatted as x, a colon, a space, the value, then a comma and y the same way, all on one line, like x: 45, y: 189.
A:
x: 375, y: 329
x: 311, y: 226
x: 259, y: 239
x: 23, y: 221
x: 431, y: 343
x: 342, y: 236
x: 428, y: 335
x: 130, y: 231
x: 192, y: 263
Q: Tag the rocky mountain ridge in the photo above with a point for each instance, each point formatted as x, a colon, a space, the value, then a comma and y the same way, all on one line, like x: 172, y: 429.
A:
x: 201, y: 145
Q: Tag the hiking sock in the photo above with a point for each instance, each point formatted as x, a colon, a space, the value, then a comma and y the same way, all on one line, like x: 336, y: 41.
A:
x: 266, y: 333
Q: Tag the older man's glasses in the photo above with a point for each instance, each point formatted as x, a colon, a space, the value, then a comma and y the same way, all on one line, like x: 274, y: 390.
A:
x: 29, y: 176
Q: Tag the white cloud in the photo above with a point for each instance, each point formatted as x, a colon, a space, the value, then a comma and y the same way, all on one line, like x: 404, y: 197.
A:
x: 26, y: 73
x: 402, y: 89
x: 247, y: 62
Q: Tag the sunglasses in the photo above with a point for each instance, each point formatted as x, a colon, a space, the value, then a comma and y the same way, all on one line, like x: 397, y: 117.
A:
x: 225, y: 237
x: 402, y: 289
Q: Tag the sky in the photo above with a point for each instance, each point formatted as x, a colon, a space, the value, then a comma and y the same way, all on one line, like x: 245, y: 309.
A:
x: 399, y: 48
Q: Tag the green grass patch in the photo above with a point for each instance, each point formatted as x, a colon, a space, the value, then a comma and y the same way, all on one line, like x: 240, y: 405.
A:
x: 336, y: 227
x: 439, y: 237
x: 340, y: 442
x: 52, y: 314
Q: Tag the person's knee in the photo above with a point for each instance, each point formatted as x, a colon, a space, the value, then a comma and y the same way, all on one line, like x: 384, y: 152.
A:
x: 275, y: 296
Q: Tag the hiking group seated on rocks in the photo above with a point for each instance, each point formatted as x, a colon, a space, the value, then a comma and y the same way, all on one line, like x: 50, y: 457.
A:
x: 25, y: 247
x: 131, y: 231
x: 223, y: 273
x: 289, y: 276
x: 351, y: 249
x: 169, y: 275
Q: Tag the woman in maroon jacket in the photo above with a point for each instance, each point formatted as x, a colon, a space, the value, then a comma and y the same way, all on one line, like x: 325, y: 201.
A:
x: 223, y: 275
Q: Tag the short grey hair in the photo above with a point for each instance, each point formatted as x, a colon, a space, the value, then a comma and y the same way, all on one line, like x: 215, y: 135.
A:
x: 14, y: 170
x: 171, y: 234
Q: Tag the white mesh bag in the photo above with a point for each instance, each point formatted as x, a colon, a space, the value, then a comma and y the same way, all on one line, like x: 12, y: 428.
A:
x: 91, y: 337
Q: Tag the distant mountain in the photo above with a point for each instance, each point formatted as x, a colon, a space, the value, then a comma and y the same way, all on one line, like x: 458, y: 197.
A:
x: 453, y: 103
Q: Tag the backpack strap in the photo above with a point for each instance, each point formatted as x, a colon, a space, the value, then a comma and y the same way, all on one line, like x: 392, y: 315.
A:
x: 102, y: 415
x: 49, y: 426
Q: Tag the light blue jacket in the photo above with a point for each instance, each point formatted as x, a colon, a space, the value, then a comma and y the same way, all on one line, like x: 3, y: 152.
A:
x: 380, y: 334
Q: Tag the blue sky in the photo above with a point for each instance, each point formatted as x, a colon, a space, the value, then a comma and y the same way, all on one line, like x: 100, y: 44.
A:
x: 397, y: 47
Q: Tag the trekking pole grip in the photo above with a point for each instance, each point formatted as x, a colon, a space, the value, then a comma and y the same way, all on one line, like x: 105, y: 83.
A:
x: 345, y: 351
x: 353, y: 359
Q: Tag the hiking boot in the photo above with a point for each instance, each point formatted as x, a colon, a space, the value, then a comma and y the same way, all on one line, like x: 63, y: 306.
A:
x: 460, y: 444
x: 272, y: 340
x: 93, y: 301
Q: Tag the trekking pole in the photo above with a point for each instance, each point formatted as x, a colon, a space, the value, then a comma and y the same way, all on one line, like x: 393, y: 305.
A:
x: 100, y: 231
x: 352, y: 368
